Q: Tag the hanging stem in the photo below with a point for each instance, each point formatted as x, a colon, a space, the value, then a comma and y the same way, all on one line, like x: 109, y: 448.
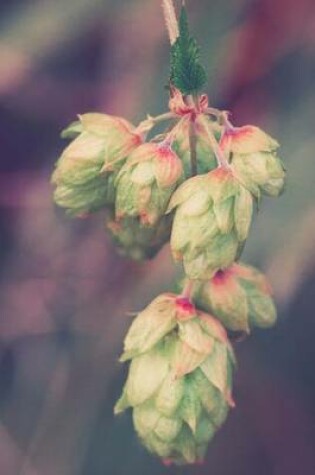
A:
x: 220, y: 156
x: 170, y: 20
x: 193, y: 147
x: 188, y: 289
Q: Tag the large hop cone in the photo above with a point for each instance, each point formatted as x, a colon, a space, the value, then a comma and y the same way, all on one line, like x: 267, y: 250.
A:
x: 146, y: 182
x: 240, y: 297
x: 137, y: 241
x: 179, y: 382
x: 255, y: 160
x: 85, y: 173
x: 212, y: 220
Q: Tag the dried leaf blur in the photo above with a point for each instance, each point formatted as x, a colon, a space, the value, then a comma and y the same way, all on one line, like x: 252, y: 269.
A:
x: 66, y: 296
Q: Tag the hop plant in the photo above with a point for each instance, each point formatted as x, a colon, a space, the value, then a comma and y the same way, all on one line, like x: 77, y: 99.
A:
x: 212, y: 220
x: 179, y: 382
x: 255, y: 160
x: 146, y: 182
x: 85, y: 173
x: 240, y: 297
x: 195, y: 185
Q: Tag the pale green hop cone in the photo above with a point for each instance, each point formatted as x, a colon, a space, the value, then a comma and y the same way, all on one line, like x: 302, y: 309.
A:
x: 212, y: 220
x: 240, y: 297
x: 180, y: 378
x: 254, y: 158
x: 85, y: 173
x: 146, y: 182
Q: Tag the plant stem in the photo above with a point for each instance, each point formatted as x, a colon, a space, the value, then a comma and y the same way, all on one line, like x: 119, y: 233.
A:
x: 188, y: 289
x: 170, y: 20
x: 193, y: 147
x: 221, y: 158
x: 191, y: 101
x: 146, y: 125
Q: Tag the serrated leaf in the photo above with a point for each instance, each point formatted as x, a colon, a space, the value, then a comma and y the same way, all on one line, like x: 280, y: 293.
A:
x: 187, y: 74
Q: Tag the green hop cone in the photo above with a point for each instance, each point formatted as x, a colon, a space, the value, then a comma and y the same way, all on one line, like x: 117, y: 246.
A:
x: 240, y: 297
x: 136, y: 241
x: 212, y: 220
x: 146, y: 183
x: 255, y: 160
x: 179, y: 382
x: 85, y: 173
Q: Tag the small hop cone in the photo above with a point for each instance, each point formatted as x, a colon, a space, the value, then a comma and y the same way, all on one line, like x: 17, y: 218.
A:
x: 85, y: 173
x: 240, y: 297
x: 212, y: 220
x: 146, y: 183
x: 255, y: 160
x: 179, y: 382
x: 136, y: 241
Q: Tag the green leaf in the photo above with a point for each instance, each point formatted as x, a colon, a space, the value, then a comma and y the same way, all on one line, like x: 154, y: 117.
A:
x: 187, y: 74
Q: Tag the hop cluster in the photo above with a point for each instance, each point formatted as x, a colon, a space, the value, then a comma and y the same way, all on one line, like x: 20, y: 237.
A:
x: 179, y: 383
x: 194, y: 185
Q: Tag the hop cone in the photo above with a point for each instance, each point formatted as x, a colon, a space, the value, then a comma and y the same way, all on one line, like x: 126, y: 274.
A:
x: 240, y: 297
x: 136, y: 241
x: 255, y: 160
x: 179, y: 382
x: 146, y: 182
x: 212, y: 220
x: 85, y: 173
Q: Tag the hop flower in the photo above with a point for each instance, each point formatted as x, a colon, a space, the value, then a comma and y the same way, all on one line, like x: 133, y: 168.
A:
x: 136, y: 241
x: 146, y: 182
x: 255, y: 160
x: 212, y: 220
x: 85, y: 173
x: 179, y: 382
x: 240, y: 297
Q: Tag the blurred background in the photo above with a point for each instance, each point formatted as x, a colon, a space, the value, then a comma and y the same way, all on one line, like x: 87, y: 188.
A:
x: 65, y: 294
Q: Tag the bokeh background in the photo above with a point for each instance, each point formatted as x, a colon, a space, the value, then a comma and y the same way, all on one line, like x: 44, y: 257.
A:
x: 66, y: 296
